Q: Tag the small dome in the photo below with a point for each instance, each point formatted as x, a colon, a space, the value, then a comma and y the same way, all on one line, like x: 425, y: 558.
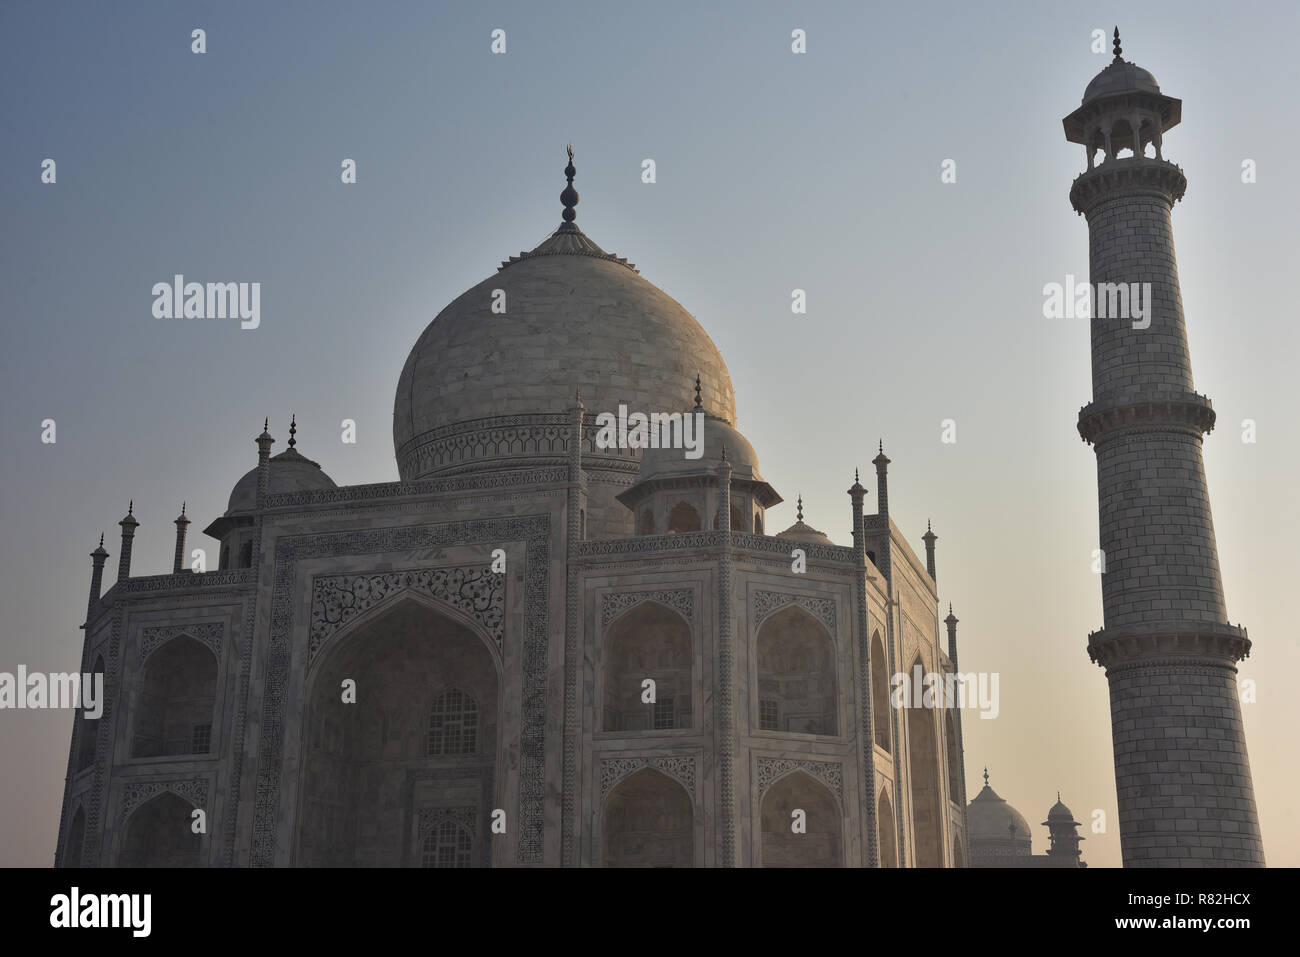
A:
x: 1120, y: 77
x: 1060, y: 812
x: 990, y: 818
x: 290, y: 471
x: 718, y: 434
x: 801, y: 532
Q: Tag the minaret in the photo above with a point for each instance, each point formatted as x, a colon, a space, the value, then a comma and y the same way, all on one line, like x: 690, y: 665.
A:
x: 264, y: 443
x: 929, y: 538
x: 129, y: 525
x: 1063, y: 832
x: 884, y: 559
x: 97, y: 558
x: 1181, y: 771
x: 182, y: 524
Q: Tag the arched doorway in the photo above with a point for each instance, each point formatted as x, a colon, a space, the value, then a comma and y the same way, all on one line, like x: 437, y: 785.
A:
x: 796, y: 674
x: 648, y: 821
x: 923, y: 765
x: 820, y: 843
x: 880, y: 692
x: 650, y: 641
x: 954, y: 759
x: 382, y: 777
x: 173, y: 713
x: 886, y: 833
x: 89, y: 729
x: 160, y: 834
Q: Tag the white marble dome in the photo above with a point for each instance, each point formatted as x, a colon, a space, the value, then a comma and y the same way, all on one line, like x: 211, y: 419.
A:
x: 484, y: 390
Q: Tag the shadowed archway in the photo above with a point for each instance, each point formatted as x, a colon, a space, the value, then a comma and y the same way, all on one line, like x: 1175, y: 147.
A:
x: 381, y: 777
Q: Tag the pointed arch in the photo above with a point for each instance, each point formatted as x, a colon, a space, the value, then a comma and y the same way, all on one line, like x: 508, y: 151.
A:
x: 648, y: 641
x: 684, y: 517
x: 175, y: 700
x: 89, y: 728
x: 796, y: 674
x: 923, y: 768
x: 886, y: 832
x: 958, y: 855
x: 648, y: 821
x: 954, y: 757
x: 159, y: 834
x: 421, y: 741
x: 798, y: 800
x: 880, y: 718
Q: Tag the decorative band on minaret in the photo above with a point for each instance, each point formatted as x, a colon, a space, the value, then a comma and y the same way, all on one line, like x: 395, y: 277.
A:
x: 1181, y: 770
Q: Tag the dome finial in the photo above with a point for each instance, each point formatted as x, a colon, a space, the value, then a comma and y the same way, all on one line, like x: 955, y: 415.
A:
x: 799, y: 512
x: 293, y: 430
x: 986, y: 775
x: 130, y: 507
x: 101, y: 539
x: 1118, y: 48
x: 570, y: 195
x: 699, y: 402
x: 1058, y: 795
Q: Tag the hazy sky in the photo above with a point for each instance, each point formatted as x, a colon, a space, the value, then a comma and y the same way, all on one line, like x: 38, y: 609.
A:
x: 775, y: 171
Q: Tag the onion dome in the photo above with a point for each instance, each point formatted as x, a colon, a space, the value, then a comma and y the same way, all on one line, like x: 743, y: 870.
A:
x: 991, y: 820
x: 489, y: 382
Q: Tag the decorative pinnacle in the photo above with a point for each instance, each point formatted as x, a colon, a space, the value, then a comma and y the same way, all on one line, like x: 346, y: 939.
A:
x: 101, y: 539
x: 266, y: 424
x: 1118, y: 48
x: 570, y: 195
x: 293, y: 429
x: 986, y: 775
x: 799, y: 513
x: 1058, y: 795
x: 130, y: 507
x: 724, y: 453
x: 927, y: 526
x: 699, y: 402
x: 182, y: 508
x: 950, y: 612
x: 856, y: 478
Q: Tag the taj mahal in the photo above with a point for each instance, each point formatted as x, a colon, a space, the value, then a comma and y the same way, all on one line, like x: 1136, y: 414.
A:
x: 540, y: 649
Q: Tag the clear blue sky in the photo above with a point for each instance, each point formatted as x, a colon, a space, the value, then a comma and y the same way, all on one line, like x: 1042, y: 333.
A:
x: 775, y: 172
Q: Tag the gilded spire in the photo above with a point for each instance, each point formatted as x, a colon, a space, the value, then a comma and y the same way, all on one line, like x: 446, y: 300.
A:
x: 570, y: 195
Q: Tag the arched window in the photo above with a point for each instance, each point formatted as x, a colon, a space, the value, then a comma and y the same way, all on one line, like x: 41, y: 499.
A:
x: 737, y: 519
x: 796, y: 674
x: 887, y: 836
x: 648, y: 821
x: 758, y: 524
x: 89, y: 729
x: 174, y: 710
x: 880, y: 717
x: 76, y: 837
x: 818, y: 843
x: 954, y: 759
x: 246, y: 555
x: 453, y: 724
x: 923, y: 766
x: 683, y: 518
x: 448, y: 845
x: 650, y: 641
x: 647, y: 522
